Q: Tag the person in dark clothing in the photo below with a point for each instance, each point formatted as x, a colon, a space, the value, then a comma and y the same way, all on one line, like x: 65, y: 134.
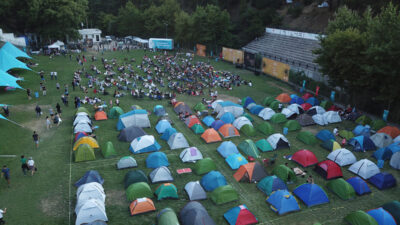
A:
x: 38, y: 111
x: 58, y: 107
x: 6, y: 111
x: 5, y: 172
x: 36, y: 139
x: 24, y: 166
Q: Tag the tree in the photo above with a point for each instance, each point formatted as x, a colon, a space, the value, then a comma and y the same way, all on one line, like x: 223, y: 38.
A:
x: 129, y: 21
x: 183, y: 29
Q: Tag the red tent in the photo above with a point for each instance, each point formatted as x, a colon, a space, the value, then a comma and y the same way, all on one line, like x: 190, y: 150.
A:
x: 305, y: 158
x: 306, y: 106
x: 79, y: 135
x: 328, y: 169
x: 307, y: 96
x: 334, y: 108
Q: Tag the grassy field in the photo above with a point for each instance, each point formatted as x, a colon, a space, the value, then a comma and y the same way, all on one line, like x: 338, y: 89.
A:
x: 49, y: 196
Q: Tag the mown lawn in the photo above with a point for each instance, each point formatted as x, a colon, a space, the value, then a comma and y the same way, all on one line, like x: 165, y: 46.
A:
x: 49, y: 196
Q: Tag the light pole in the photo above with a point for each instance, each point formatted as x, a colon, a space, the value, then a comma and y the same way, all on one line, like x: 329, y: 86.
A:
x: 166, y: 28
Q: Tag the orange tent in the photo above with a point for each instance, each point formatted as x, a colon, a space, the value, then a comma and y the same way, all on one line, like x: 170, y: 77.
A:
x: 192, y: 120
x: 100, y: 115
x: 228, y: 130
x: 250, y: 172
x: 390, y: 130
x: 141, y: 205
x: 211, y: 135
x: 177, y: 104
x: 284, y: 98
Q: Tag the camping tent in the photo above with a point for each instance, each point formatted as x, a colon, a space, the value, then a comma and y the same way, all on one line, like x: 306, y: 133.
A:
x: 331, y: 145
x: 268, y: 100
x: 278, y: 118
x: 364, y: 120
x: 90, y: 176
x: 159, y: 110
x: 129, y: 134
x: 228, y: 130
x: 395, y: 160
x: 138, y: 190
x: 177, y: 141
x: 88, y: 191
x: 394, y: 209
x: 227, y: 118
x: 248, y: 130
x: 306, y: 106
x: 381, y: 140
x: 215, y: 103
x: 311, y: 194
x: 126, y: 162
x: 278, y: 141
x: 306, y: 137
x: 224, y: 194
x: 162, y: 125
x: 199, y: 107
x: 292, y: 125
x: 84, y: 153
x: 213, y: 180
x: 266, y: 113
x: 320, y: 119
x: 283, y: 202
x: 166, y: 190
x: 364, y: 168
x: 208, y: 120
x: 191, y: 154
x: 346, y: 134
x: 342, y: 157
x: 210, y: 135
x: 289, y: 113
x: 316, y: 110
x: 182, y: 108
x: 227, y: 106
x: 108, y: 151
x: 195, y: 191
x: 240, y: 215
x: 296, y: 100
x: 275, y: 105
x: 313, y: 101
x: 360, y: 218
x: 284, y: 98
x: 328, y: 169
x: 82, y: 127
x: 197, y: 129
x: 362, y: 130
x: 191, y: 120
x: 264, y: 145
x: 194, y: 213
x: 115, y: 112
x: 249, y: 148
x: 332, y: 117
x: 156, y: 159
x: 227, y: 148
x: 383, y: 180
x: 167, y: 133
x: 250, y: 172
x: 146, y: 143
x: 341, y: 188
x: 204, y: 166
x: 136, y: 117
x: 378, y: 124
x: 324, y: 135
x: 217, y: 124
x: 235, y: 161
x: 100, y: 115
x: 167, y: 216
x: 270, y: 184
x: 161, y: 174
x: 246, y: 101
x: 265, y: 128
x: 241, y: 121
x: 391, y: 130
x: 284, y: 173
x: 256, y: 109
x: 296, y: 108
x: 134, y: 176
x: 141, y: 205
x: 305, y: 158
x: 359, y: 185
x: 91, y: 211
x: 305, y: 120
x: 326, y: 104
x: 82, y: 119
x: 86, y: 140
x: 382, y: 216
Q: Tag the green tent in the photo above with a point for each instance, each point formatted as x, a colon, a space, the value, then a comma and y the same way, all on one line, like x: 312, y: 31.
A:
x: 167, y: 216
x: 224, y: 194
x: 138, y: 190
x: 364, y: 120
x: 266, y: 128
x: 326, y: 104
x: 292, y: 125
x: 346, y: 134
x: 108, y: 151
x: 166, y: 190
x: 360, y: 218
x: 135, y: 176
x: 199, y: 107
x: 204, y: 166
x: 268, y: 100
x: 378, y: 124
x: 197, y: 129
x: 270, y: 184
x: 249, y: 148
x: 84, y: 153
x: 306, y: 137
x: 82, y: 109
x: 264, y: 145
x: 275, y: 105
x: 248, y: 117
x: 342, y: 189
x: 115, y: 112
x: 248, y: 130
x: 285, y: 173
x: 278, y: 118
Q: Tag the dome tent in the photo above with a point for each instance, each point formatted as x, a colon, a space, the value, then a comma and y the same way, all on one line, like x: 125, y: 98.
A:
x: 224, y: 194
x: 342, y: 157
x: 306, y: 137
x: 156, y: 159
x: 382, y: 216
x: 328, y: 169
x: 126, y: 162
x: 208, y: 120
x: 213, y: 180
x: 249, y: 148
x: 177, y: 141
x: 227, y: 148
x: 166, y: 190
x: 141, y: 205
x: 341, y: 188
x: 250, y: 172
x: 195, y: 191
x: 194, y: 213
x: 360, y: 217
x: 278, y: 141
x: 283, y: 202
x: 240, y: 215
x: 167, y: 216
x: 383, y: 180
x: 130, y: 133
x: 364, y: 168
x: 305, y: 158
x: 311, y: 194
x: 265, y: 128
x: 359, y: 185
x: 162, y: 125
x: 146, y: 143
x: 161, y: 174
x: 235, y: 161
x: 191, y: 154
x: 138, y: 190
x: 266, y: 113
x: 270, y: 184
x: 134, y: 176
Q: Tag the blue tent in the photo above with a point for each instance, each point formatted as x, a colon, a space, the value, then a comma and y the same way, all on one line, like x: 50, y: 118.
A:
x: 313, y: 101
x: 311, y: 194
x: 296, y: 99
x: 159, y: 110
x: 247, y: 101
x: 387, y: 152
x: 324, y: 135
x: 362, y: 143
x: 362, y: 130
x: 227, y: 148
x: 162, y: 125
x: 157, y: 107
x: 217, y: 124
x: 359, y: 185
x: 383, y: 180
x: 145, y: 143
x: 14, y: 51
x: 213, y: 180
x: 228, y: 117
x: 90, y: 176
x: 8, y: 62
x: 382, y: 216
x: 8, y: 80
x: 235, y: 161
x: 168, y: 133
x: 81, y: 134
x: 240, y: 215
x: 208, y: 120
x: 256, y: 109
x: 156, y: 159
x: 270, y: 184
x: 283, y: 202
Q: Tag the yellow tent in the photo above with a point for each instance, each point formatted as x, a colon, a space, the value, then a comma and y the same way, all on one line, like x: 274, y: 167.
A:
x: 86, y: 140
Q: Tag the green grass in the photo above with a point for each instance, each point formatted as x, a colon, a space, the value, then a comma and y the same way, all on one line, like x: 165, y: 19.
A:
x: 48, y: 197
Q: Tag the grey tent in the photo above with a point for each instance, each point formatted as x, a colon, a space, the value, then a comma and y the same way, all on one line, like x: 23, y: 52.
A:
x: 126, y: 162
x: 195, y: 191
x: 88, y: 191
x: 395, y: 160
x: 82, y: 119
x: 183, y: 108
x: 90, y: 176
x: 194, y: 213
x: 82, y: 127
x: 191, y: 154
x: 381, y: 140
x: 161, y: 174
x: 177, y: 141
x: 92, y: 210
x: 305, y: 120
x: 130, y: 133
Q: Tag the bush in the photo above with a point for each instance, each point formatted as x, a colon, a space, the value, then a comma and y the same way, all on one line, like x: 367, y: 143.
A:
x: 295, y: 10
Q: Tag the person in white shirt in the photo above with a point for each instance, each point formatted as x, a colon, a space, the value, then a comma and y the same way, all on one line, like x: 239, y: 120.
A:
x: 335, y: 131
x: 2, y: 212
x: 31, y: 165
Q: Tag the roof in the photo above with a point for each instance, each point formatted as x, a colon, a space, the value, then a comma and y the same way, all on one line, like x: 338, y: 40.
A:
x: 89, y: 31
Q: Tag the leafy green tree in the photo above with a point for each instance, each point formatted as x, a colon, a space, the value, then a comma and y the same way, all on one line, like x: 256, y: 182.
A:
x: 129, y: 21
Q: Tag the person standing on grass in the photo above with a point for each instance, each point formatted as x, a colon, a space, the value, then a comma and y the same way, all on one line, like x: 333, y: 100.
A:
x: 31, y: 165
x: 2, y: 212
x: 38, y: 111
x: 44, y: 90
x: 58, y: 107
x: 36, y: 139
x: 5, y: 172
x: 28, y: 92
x: 6, y: 111
x: 24, y: 166
x: 48, y: 123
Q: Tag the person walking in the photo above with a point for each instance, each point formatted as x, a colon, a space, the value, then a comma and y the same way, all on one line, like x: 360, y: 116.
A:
x: 58, y: 107
x: 51, y: 112
x: 24, y: 166
x: 48, y: 123
x: 5, y: 172
x: 44, y: 90
x: 57, y: 120
x: 2, y: 212
x: 38, y: 111
x: 6, y: 111
x: 31, y: 165
x: 28, y: 92
x: 36, y: 139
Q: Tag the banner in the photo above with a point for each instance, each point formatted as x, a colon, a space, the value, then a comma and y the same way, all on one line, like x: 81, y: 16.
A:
x: 201, y: 50
x: 276, y: 69
x: 232, y: 55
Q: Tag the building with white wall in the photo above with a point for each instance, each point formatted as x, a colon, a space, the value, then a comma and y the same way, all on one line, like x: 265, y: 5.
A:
x: 90, y: 34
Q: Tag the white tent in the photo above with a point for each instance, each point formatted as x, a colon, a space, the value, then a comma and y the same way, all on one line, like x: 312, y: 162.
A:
x: 191, y: 154
x: 319, y: 119
x: 332, y: 117
x: 266, y: 113
x: 364, y: 168
x: 90, y: 211
x: 395, y: 161
x: 251, y: 105
x: 288, y: 113
x: 397, y: 139
x: 215, y: 103
x: 223, y: 107
x: 161, y: 174
x: 296, y: 108
x: 92, y: 190
x: 82, y: 119
x: 241, y: 121
x: 145, y: 143
x: 54, y: 46
x: 82, y: 114
x: 177, y: 141
x: 381, y: 140
x: 278, y: 141
x: 316, y: 110
x: 195, y: 191
x: 82, y: 127
x: 342, y: 157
